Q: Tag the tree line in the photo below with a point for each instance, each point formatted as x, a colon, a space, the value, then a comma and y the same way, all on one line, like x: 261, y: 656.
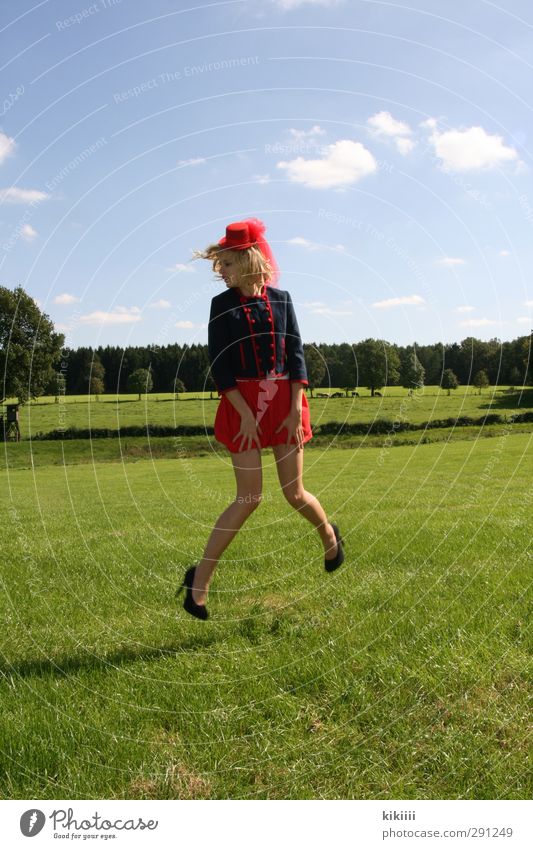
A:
x: 371, y: 363
x: 34, y: 361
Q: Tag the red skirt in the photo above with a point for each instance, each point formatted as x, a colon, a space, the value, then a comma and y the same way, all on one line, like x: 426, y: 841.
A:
x: 270, y: 401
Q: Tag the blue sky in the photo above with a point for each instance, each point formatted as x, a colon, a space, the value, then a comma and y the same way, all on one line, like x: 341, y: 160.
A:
x: 386, y: 147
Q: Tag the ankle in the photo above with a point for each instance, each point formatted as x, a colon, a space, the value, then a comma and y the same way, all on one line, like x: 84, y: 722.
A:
x: 329, y: 537
x: 199, y: 596
x: 331, y: 546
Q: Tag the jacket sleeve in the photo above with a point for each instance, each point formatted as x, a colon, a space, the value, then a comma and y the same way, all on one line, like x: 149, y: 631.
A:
x: 294, y: 347
x: 218, y: 343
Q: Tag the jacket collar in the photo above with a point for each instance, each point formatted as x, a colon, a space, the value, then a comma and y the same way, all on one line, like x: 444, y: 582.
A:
x: 244, y: 299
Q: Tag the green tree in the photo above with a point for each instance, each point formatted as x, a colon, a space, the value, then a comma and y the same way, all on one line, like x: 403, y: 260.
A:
x: 29, y: 346
x: 140, y: 381
x: 412, y: 372
x: 378, y: 363
x: 515, y: 377
x: 526, y: 345
x: 93, y: 377
x: 209, y: 384
x: 449, y: 380
x: 179, y: 386
x: 481, y: 380
x: 431, y: 357
x: 315, y: 367
x: 56, y: 385
x: 96, y: 386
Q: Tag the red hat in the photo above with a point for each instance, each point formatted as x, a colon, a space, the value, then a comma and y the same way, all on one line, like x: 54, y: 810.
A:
x: 244, y: 234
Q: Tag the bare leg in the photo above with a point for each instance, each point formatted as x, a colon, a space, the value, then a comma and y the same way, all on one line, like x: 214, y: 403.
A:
x: 248, y: 475
x: 289, y: 464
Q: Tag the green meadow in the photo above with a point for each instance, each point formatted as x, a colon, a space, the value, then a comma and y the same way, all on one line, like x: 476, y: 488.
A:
x: 406, y: 674
x: 112, y: 411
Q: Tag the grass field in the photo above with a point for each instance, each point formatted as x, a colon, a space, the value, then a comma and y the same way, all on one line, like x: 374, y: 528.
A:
x: 431, y: 403
x: 405, y: 675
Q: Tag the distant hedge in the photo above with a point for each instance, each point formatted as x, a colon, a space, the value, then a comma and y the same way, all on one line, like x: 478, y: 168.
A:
x: 378, y: 426
x: 129, y: 430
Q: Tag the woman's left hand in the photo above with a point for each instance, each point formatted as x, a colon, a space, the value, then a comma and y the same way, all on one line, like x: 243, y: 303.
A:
x: 293, y: 423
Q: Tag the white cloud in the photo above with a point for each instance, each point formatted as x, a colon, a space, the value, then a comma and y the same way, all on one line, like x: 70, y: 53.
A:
x: 505, y: 253
x: 320, y: 308
x: 472, y: 149
x: 303, y: 135
x: 477, y: 322
x: 345, y: 162
x: 181, y: 268
x: 14, y: 195
x: 524, y: 319
x: 160, y: 305
x: 120, y: 315
x: 528, y: 303
x: 383, y: 125
x: 302, y: 242
x: 429, y: 123
x: 28, y: 233
x: 405, y: 146
x: 184, y: 325
x: 287, y: 5
x: 450, y: 260
x: 262, y: 179
x: 405, y: 300
x: 7, y: 146
x: 63, y: 328
x: 465, y: 309
x: 65, y: 298
x: 194, y: 161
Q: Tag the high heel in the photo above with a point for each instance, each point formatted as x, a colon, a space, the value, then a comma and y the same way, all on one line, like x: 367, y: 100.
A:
x: 338, y: 560
x: 189, y: 604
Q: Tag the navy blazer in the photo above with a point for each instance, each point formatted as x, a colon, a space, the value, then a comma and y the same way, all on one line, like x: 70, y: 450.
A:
x: 250, y: 336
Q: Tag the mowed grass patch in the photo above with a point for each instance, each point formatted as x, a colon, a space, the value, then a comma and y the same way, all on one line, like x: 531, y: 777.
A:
x: 404, y: 675
x: 109, y: 411
x: 130, y: 449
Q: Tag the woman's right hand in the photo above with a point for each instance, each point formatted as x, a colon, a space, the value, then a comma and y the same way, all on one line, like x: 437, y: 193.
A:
x: 249, y: 430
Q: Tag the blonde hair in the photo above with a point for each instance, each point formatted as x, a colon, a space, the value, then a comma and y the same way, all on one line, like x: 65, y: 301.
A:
x: 252, y: 266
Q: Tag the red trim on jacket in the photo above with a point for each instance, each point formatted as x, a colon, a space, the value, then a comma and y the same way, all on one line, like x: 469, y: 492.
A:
x: 272, y: 331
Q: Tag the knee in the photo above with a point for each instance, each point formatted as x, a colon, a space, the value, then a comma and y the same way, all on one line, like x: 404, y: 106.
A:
x: 295, y: 497
x: 249, y: 502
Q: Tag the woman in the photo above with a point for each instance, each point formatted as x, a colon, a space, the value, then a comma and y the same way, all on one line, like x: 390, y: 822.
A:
x: 257, y: 363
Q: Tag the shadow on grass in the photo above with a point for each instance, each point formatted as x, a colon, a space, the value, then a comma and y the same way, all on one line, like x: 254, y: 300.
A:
x: 522, y: 399
x: 62, y: 667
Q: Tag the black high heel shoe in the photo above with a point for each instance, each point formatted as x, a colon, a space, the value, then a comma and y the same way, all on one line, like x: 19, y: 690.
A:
x: 338, y: 560
x: 189, y: 604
